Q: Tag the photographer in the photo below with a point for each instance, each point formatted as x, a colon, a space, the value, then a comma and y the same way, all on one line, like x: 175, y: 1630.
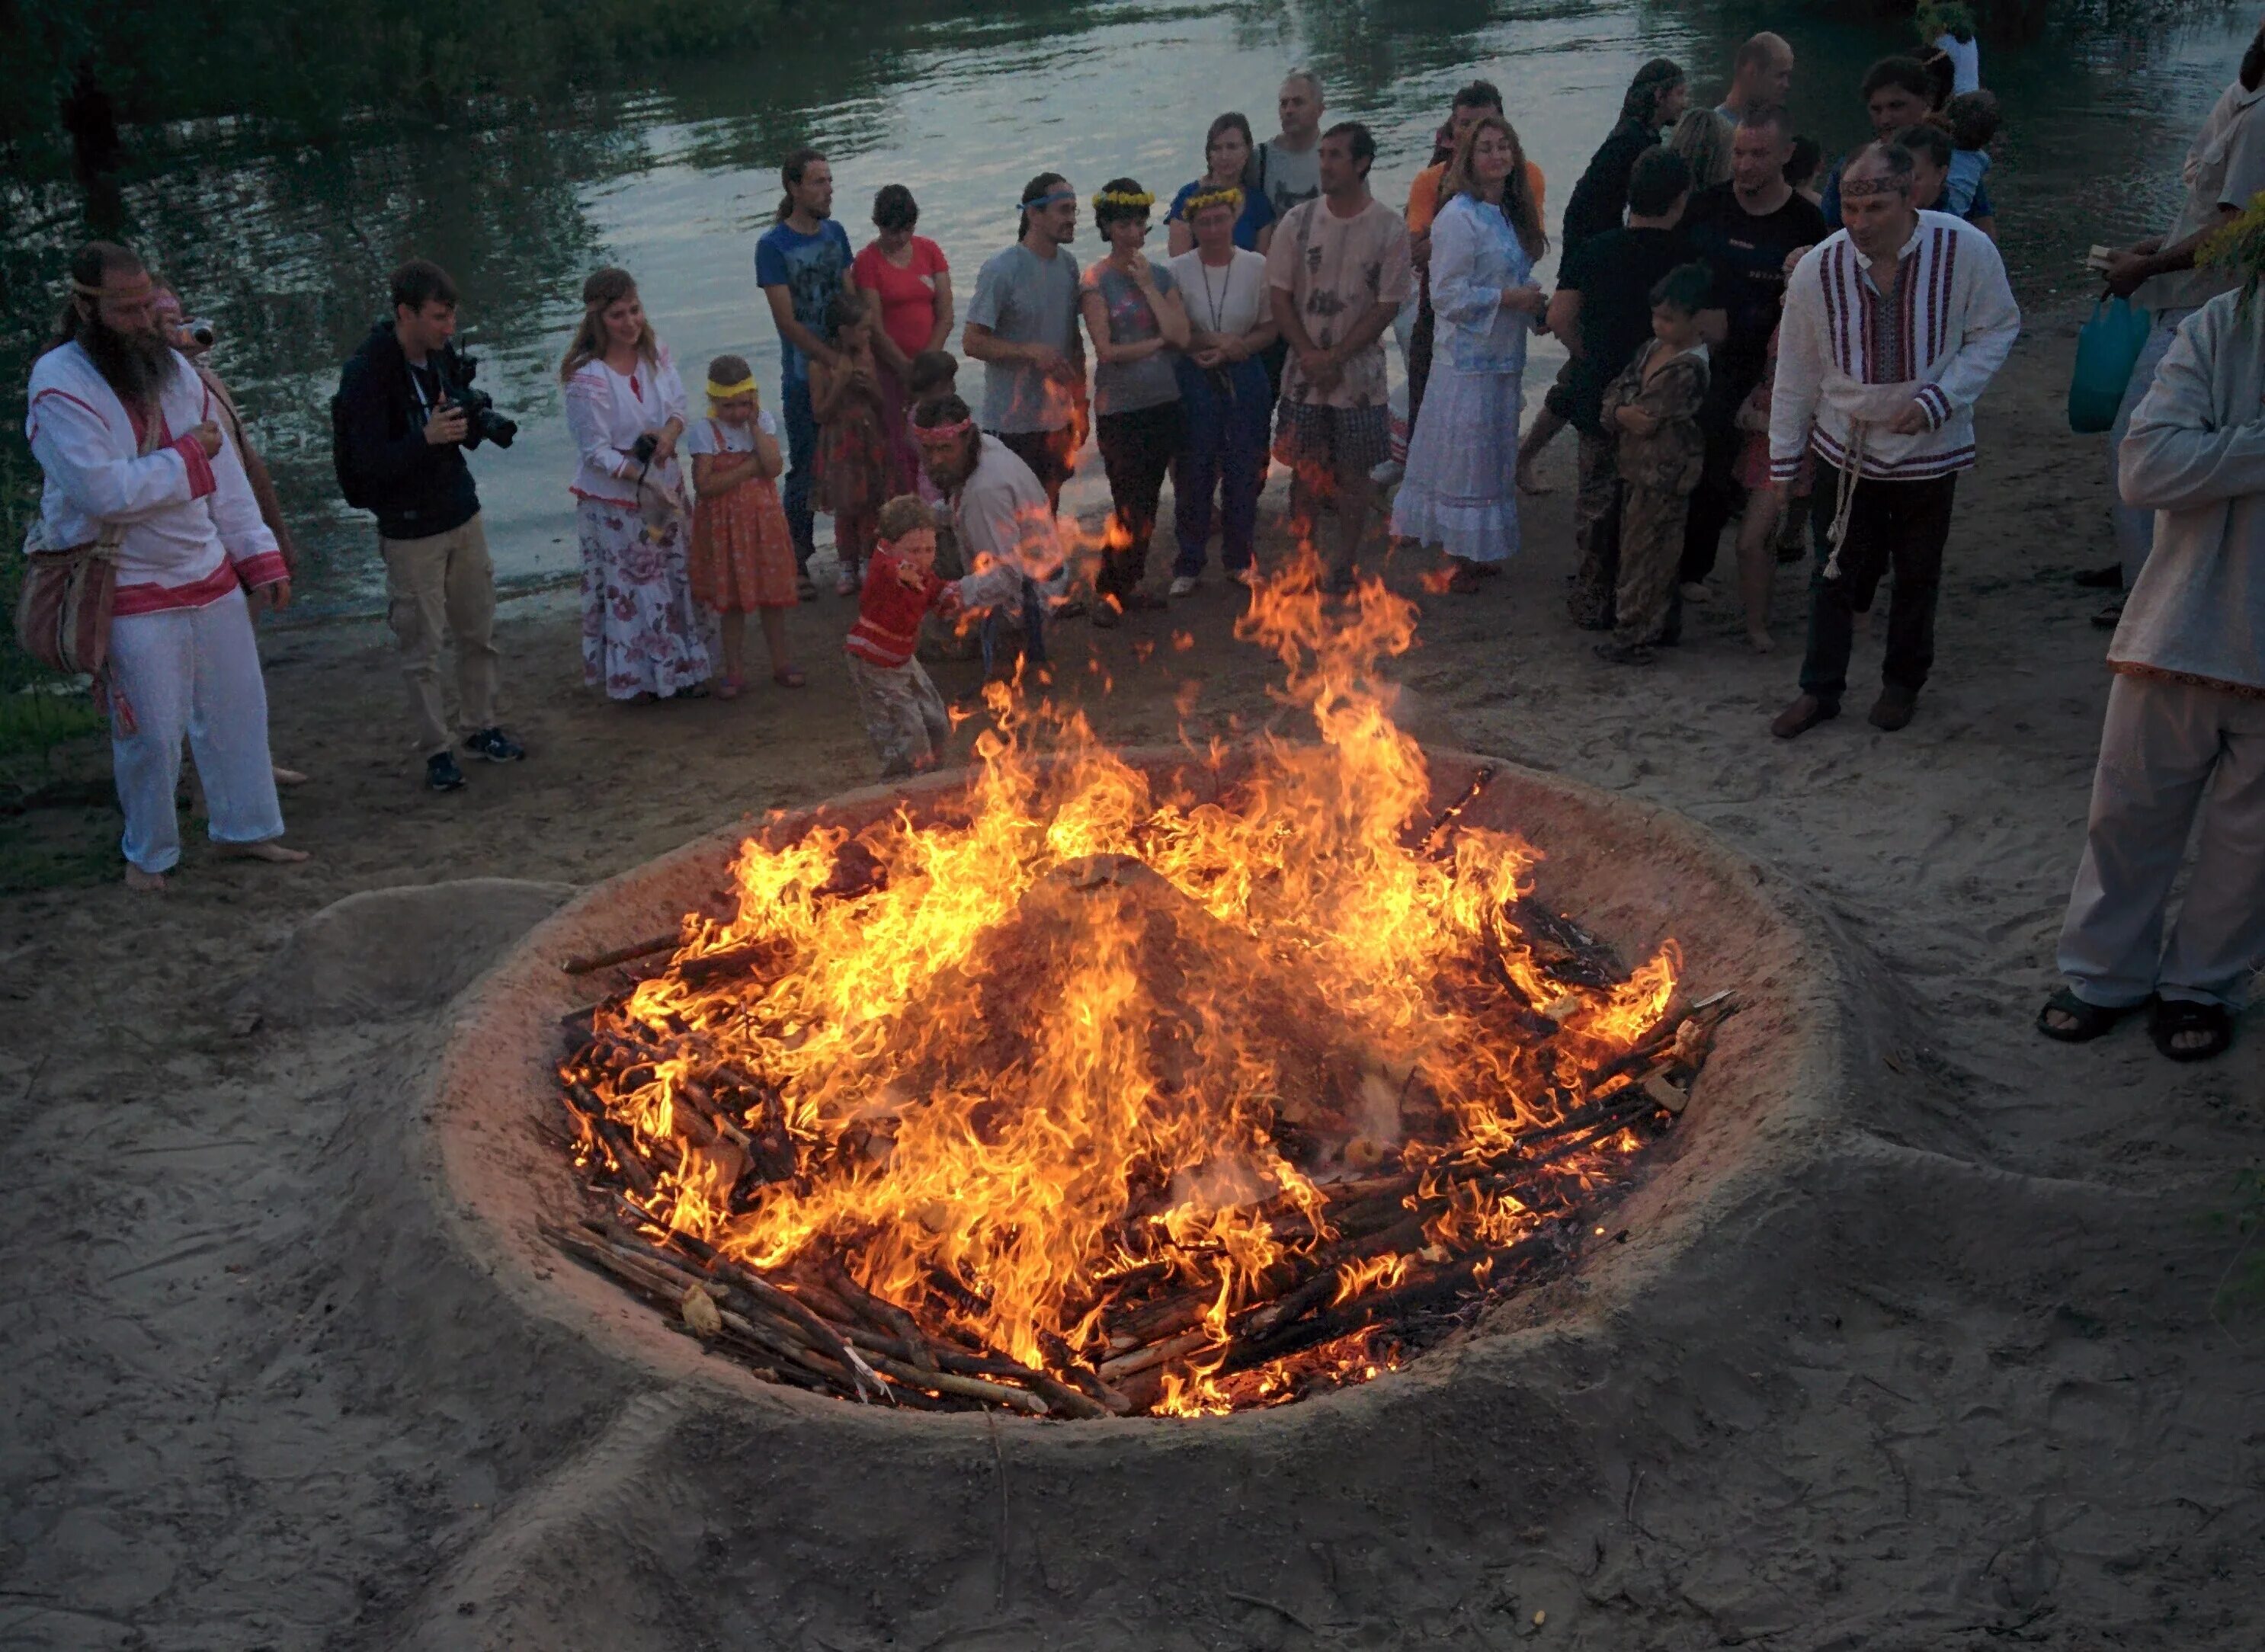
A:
x: 406, y: 412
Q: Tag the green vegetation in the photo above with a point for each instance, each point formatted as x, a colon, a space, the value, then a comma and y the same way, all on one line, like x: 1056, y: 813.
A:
x: 76, y: 70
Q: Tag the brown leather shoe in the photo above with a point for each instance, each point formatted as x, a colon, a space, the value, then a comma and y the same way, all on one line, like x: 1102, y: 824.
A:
x: 1804, y: 714
x: 1893, y: 709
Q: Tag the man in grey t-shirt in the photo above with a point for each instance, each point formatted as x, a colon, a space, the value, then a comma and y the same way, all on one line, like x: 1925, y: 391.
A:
x: 1288, y: 166
x: 1023, y: 327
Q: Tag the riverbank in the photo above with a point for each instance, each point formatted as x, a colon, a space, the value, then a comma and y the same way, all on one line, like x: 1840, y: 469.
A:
x: 2057, y: 1449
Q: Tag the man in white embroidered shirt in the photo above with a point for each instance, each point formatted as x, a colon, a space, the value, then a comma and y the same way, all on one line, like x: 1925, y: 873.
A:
x: 124, y: 433
x: 1893, y: 327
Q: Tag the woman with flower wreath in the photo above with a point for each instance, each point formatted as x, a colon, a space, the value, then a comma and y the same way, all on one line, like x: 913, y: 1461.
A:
x: 1225, y: 399
x: 1135, y: 315
x: 642, y: 635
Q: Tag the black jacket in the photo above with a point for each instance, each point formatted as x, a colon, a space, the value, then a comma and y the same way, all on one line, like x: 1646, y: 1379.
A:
x: 1600, y: 198
x: 417, y: 489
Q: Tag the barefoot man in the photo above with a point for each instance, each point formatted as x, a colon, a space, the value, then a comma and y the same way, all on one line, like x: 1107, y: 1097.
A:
x: 125, y: 435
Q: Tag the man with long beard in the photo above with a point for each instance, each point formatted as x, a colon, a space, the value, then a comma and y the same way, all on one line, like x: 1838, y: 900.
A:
x: 125, y: 434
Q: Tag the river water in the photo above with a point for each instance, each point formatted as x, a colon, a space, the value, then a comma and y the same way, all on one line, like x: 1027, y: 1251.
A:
x: 285, y: 247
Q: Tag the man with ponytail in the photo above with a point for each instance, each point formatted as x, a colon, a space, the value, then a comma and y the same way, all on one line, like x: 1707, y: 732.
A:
x: 135, y: 461
x: 802, y: 261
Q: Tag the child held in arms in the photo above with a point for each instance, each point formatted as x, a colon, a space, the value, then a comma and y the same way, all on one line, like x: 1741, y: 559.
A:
x: 742, y: 552
x: 1974, y: 119
x: 903, y: 713
x: 1653, y: 406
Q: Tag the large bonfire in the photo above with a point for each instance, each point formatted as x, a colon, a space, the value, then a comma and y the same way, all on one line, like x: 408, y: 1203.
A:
x: 1082, y: 1092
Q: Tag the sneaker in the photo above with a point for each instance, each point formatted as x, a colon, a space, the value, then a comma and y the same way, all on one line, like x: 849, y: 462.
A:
x: 1693, y: 592
x: 848, y: 584
x: 441, y: 773
x: 1184, y: 585
x: 1387, y: 473
x: 495, y: 746
x: 805, y: 588
x: 1106, y: 612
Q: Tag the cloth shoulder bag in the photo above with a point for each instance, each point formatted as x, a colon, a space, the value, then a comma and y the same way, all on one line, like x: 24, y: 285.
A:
x: 63, y: 614
x: 2107, y: 350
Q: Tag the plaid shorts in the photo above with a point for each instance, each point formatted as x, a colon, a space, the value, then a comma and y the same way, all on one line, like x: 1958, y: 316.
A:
x: 1348, y: 441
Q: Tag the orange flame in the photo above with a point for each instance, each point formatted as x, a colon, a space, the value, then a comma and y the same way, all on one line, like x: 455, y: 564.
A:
x: 1078, y: 1025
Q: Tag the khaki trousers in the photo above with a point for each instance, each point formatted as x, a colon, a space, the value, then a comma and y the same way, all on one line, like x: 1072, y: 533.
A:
x: 444, y: 588
x: 2168, y: 753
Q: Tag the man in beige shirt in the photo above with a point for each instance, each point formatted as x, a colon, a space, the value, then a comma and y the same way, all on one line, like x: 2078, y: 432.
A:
x: 1338, y: 272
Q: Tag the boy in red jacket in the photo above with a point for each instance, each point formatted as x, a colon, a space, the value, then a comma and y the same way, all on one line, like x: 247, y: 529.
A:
x: 903, y: 713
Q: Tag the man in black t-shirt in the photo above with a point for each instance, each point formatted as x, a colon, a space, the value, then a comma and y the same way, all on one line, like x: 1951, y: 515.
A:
x: 1749, y: 232
x: 1602, y: 314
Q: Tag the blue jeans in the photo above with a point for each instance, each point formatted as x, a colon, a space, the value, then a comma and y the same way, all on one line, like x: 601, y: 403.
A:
x: 1225, y: 448
x: 1034, y: 630
x: 802, y: 457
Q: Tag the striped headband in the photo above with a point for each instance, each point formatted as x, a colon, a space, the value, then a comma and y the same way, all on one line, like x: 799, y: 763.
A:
x: 1862, y: 188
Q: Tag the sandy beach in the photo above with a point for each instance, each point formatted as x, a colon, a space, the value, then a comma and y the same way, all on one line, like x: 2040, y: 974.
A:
x: 1962, y: 1427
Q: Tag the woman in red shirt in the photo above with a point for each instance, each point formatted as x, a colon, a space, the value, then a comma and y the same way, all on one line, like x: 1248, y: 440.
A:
x: 911, y: 285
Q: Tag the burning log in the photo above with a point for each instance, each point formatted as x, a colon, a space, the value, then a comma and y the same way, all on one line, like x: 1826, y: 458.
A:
x: 629, y: 953
x: 1219, y: 1170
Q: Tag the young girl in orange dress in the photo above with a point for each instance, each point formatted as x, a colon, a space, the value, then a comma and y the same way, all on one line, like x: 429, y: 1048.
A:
x: 742, y: 552
x: 856, y: 464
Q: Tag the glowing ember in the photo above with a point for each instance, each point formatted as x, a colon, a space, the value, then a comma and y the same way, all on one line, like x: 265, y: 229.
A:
x: 1083, y: 1097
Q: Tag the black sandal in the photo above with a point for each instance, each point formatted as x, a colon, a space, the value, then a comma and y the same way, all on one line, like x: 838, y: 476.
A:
x: 2091, y: 1020
x: 2176, y: 1015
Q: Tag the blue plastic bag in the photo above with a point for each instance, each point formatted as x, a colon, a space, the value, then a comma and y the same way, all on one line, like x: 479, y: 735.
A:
x: 2107, y: 349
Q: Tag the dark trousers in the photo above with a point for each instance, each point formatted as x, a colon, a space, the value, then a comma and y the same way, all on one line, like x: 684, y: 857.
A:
x: 1718, y: 495
x: 1049, y: 455
x: 1898, y: 525
x: 1422, y: 340
x: 1137, y: 450
x: 1224, y: 451
x: 802, y: 460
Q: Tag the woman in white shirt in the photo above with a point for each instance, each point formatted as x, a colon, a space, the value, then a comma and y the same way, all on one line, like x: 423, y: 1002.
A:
x: 1224, y: 393
x: 642, y: 636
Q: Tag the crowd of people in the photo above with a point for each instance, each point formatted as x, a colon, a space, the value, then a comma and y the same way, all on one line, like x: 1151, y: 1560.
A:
x: 1752, y: 336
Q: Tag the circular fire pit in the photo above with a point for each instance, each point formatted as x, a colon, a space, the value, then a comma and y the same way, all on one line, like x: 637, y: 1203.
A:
x: 1356, y: 1216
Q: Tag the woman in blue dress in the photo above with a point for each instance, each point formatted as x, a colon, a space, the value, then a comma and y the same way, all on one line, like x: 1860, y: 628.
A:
x: 1461, y: 491
x: 1227, y: 154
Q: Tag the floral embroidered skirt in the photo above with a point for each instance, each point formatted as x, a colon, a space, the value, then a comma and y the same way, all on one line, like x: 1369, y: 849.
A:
x: 742, y: 552
x: 641, y: 631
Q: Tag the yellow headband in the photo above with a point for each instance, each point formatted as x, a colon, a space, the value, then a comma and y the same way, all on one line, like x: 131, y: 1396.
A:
x: 729, y: 392
x: 1229, y: 196
x: 1127, y: 199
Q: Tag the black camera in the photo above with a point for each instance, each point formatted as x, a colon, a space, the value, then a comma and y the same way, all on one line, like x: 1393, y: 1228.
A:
x: 482, y: 422
x: 643, y: 448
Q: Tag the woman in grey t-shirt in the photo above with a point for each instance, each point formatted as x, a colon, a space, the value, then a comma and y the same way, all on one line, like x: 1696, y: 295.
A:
x: 1135, y: 315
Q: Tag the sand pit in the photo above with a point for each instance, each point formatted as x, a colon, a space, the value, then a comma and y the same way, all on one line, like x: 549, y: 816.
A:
x: 1931, y: 1348
x: 930, y: 1507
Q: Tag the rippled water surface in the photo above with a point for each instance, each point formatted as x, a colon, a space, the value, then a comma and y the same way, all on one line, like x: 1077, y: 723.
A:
x: 286, y: 246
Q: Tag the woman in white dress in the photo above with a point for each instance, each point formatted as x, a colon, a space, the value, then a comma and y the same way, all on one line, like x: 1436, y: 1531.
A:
x: 1461, y: 491
x: 642, y: 636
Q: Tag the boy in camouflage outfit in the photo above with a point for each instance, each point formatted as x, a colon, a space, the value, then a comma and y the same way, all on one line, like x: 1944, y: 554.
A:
x: 1653, y: 407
